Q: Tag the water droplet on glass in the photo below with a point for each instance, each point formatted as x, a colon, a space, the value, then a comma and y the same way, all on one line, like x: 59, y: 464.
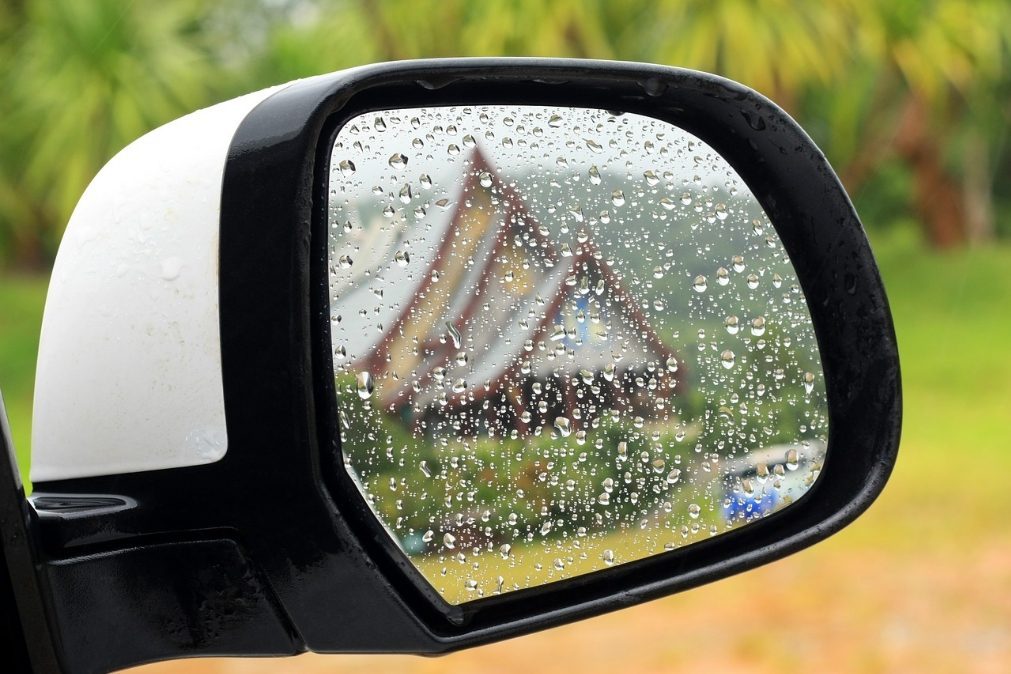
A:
x: 732, y: 324
x: 608, y: 557
x: 758, y: 326
x: 347, y: 167
x: 449, y: 540
x: 792, y: 459
x: 485, y: 179
x: 737, y: 262
x: 397, y: 160
x: 425, y: 181
x: 721, y: 211
x: 345, y: 262
x: 618, y: 198
x: 672, y: 364
x: 555, y: 121
x: 594, y: 175
x: 651, y: 178
x: 455, y: 335
x: 593, y: 145
x: 722, y: 276
x: 364, y: 385
x: 699, y: 285
x: 752, y: 281
x: 563, y: 426
x: 727, y: 359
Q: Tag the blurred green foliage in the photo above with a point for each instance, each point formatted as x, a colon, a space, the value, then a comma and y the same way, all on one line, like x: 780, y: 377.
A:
x: 909, y: 98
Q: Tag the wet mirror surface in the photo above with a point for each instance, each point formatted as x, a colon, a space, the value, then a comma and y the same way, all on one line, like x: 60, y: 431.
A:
x: 563, y: 339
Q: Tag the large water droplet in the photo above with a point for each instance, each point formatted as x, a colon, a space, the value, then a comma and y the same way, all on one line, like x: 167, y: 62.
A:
x: 563, y: 426
x: 364, y: 385
x: 347, y: 167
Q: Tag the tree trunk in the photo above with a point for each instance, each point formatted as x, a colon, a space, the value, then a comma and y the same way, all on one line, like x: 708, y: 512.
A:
x: 938, y: 198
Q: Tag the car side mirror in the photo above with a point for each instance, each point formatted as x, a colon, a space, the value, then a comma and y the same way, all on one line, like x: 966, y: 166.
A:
x: 422, y: 355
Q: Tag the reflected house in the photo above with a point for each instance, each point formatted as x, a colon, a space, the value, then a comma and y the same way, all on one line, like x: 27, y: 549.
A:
x: 505, y: 330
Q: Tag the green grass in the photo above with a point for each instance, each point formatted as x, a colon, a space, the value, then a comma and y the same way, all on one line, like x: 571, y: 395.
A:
x: 21, y: 302
x: 953, y: 318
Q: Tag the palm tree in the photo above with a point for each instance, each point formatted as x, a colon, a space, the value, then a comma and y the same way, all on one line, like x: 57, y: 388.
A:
x: 81, y: 80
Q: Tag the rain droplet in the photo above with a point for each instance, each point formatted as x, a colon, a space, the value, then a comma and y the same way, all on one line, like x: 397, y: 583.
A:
x: 594, y: 175
x: 618, y: 198
x: 426, y: 181
x: 727, y: 358
x: 402, y: 258
x: 449, y: 540
x: 737, y: 262
x: 792, y: 459
x: 672, y: 364
x: 345, y: 262
x: 758, y: 326
x: 723, y: 276
x: 555, y: 121
x: 651, y: 178
x: 694, y: 511
x: 732, y: 324
x: 347, y: 167
x: 563, y: 426
x: 364, y: 385
x: 700, y: 285
x: 608, y: 557
x: 593, y: 145
x: 397, y: 160
x: 485, y: 178
x: 454, y: 334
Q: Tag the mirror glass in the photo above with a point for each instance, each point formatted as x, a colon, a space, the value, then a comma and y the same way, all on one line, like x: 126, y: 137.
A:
x: 564, y: 339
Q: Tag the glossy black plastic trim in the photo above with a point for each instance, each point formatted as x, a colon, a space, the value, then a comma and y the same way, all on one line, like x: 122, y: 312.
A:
x: 279, y: 508
x: 823, y: 236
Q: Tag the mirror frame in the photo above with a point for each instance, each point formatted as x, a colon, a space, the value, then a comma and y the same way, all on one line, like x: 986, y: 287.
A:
x: 777, y: 161
x: 315, y: 569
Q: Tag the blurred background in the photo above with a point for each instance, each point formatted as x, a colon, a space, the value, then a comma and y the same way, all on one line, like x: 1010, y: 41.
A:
x: 910, y: 100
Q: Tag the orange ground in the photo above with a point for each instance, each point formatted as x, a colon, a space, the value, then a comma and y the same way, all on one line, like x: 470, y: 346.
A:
x: 901, y: 590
